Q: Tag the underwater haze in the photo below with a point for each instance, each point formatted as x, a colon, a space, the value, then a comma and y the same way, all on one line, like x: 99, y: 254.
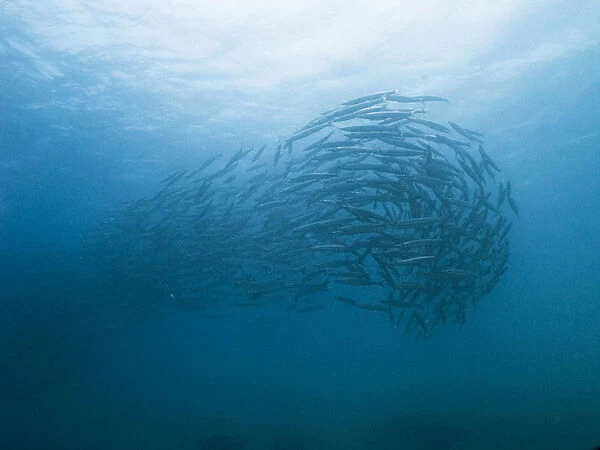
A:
x: 104, y: 104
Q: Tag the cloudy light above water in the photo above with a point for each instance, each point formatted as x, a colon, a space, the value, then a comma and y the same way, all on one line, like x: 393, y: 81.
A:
x: 286, y: 59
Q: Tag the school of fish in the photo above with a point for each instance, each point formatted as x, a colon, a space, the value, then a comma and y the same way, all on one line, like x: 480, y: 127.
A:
x: 371, y: 204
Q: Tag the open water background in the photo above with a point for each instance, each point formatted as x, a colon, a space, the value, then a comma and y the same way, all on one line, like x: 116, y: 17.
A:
x: 99, y: 101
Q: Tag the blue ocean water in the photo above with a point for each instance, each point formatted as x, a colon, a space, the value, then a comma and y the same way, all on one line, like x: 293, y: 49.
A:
x: 100, y: 101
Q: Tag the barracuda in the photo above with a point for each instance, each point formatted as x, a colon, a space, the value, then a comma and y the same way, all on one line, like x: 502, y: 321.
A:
x: 381, y: 201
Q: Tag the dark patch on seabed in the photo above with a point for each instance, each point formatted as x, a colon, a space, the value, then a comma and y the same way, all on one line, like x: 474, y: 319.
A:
x: 68, y: 389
